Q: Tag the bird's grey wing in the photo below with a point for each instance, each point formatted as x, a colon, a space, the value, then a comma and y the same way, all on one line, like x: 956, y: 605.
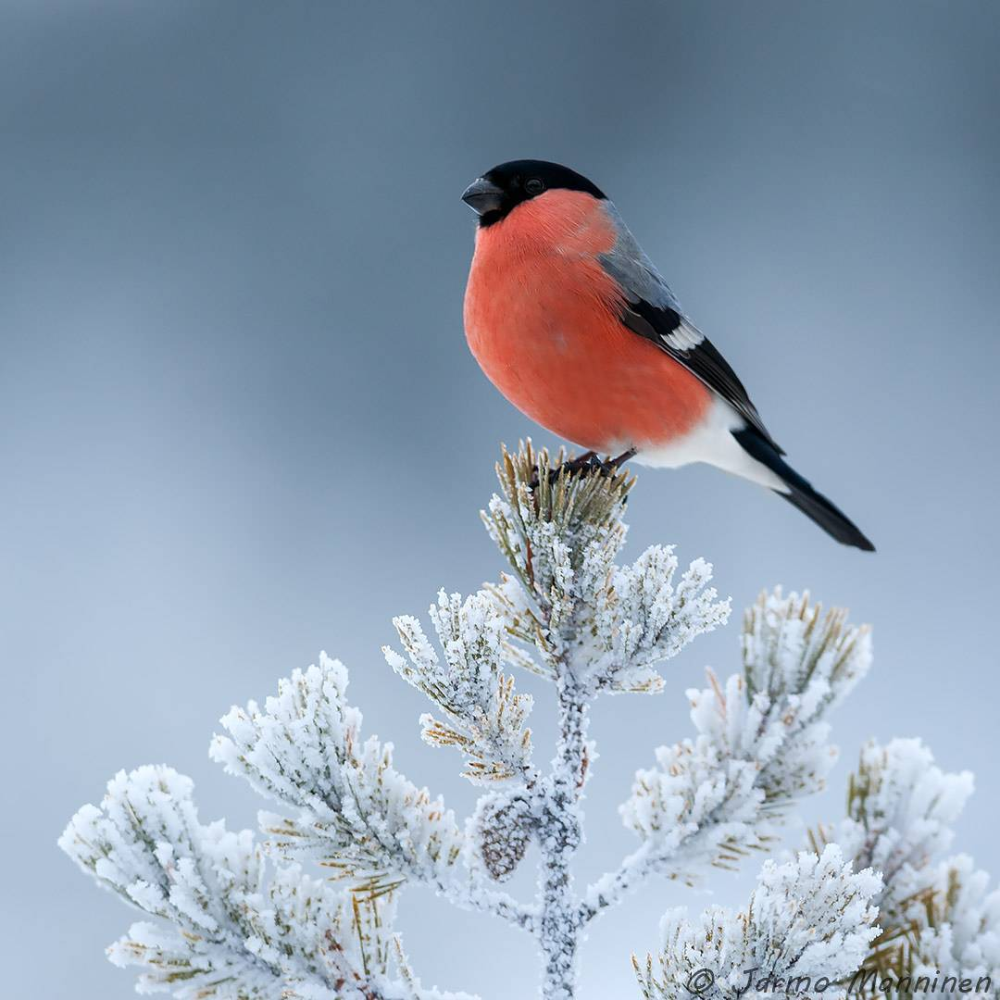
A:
x: 651, y: 310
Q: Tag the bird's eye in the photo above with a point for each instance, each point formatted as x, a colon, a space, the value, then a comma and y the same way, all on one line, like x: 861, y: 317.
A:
x: 534, y: 185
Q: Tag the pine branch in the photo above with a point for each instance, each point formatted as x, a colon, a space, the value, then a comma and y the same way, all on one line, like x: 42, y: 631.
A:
x: 762, y: 743
x: 938, y: 918
x: 356, y: 813
x: 357, y: 816
x: 806, y: 928
x: 569, y: 599
x: 485, y: 716
x: 223, y: 929
x: 560, y: 832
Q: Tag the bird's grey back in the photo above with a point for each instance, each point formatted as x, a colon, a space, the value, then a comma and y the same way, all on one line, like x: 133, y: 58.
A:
x: 628, y: 264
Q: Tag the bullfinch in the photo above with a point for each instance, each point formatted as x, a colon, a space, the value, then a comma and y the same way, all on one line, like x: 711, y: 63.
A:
x: 570, y: 320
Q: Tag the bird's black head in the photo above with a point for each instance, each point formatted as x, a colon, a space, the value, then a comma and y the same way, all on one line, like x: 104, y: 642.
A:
x: 500, y: 190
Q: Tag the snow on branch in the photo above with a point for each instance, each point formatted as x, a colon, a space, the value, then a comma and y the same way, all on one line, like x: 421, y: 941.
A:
x: 952, y: 927
x: 549, y: 523
x: 485, y: 716
x: 644, y: 618
x: 355, y: 811
x: 938, y: 917
x: 791, y: 647
x: 806, y: 927
x: 568, y: 599
x: 900, y: 809
x: 223, y: 930
x: 762, y: 742
x: 560, y: 534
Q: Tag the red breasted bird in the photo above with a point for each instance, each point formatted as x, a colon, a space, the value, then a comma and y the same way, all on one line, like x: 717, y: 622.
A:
x: 571, y: 321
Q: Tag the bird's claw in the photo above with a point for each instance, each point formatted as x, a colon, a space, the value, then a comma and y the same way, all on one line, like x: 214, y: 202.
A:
x: 573, y: 467
x: 588, y: 463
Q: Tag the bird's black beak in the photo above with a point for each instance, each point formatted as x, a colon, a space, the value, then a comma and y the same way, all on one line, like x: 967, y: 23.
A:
x: 483, y: 196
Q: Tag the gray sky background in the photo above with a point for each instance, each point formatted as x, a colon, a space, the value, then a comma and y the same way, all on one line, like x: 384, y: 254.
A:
x: 239, y: 422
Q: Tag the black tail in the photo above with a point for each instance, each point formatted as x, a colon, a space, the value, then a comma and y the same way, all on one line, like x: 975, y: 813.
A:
x: 800, y: 494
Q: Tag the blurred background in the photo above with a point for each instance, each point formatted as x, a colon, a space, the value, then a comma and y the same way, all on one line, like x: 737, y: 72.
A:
x: 239, y: 422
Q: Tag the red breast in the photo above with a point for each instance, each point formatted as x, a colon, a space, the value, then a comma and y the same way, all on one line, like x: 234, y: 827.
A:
x: 541, y: 318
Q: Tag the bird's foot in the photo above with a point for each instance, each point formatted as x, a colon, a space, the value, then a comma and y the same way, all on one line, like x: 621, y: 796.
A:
x: 612, y: 465
x: 586, y: 464
x: 574, y: 467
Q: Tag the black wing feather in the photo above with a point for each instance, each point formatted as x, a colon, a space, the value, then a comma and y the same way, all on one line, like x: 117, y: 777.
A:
x: 656, y: 323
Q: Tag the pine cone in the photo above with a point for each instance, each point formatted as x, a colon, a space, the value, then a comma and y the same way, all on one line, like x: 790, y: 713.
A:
x: 504, y: 830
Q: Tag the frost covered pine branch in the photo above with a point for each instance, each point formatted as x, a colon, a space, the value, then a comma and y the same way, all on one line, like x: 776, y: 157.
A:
x: 235, y: 919
x: 224, y: 929
x: 940, y: 922
x: 806, y: 928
